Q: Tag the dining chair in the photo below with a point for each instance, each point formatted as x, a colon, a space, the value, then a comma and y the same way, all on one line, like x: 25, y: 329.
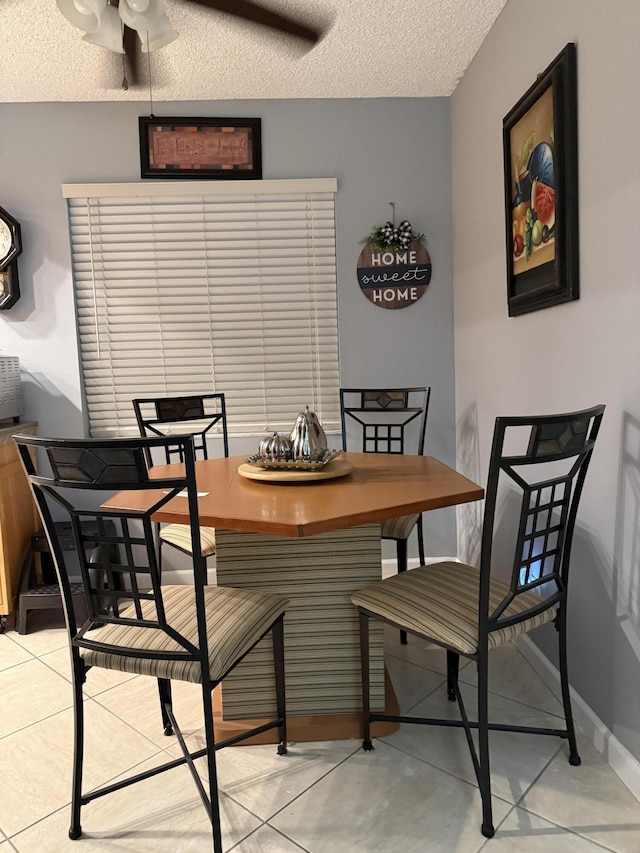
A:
x: 193, y: 632
x: 199, y: 415
x: 536, y: 474
x: 380, y: 418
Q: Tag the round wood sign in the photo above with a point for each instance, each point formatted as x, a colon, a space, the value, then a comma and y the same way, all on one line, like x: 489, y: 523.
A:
x: 394, y: 278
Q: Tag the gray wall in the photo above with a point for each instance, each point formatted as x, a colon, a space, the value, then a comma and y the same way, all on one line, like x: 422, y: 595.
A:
x: 380, y: 151
x: 573, y: 355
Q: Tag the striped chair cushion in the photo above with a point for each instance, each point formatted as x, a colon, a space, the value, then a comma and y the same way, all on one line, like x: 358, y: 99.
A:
x: 440, y: 602
x: 398, y: 528
x: 236, y: 619
x: 180, y: 535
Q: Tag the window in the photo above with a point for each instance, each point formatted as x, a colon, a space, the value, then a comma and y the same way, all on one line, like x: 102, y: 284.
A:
x: 207, y: 286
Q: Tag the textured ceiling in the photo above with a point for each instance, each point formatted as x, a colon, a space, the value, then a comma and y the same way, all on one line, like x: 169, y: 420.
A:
x: 373, y: 48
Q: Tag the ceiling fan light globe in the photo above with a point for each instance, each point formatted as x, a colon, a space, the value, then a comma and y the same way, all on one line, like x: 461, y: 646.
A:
x: 138, y: 5
x: 83, y: 14
x: 89, y: 7
x: 109, y: 34
x: 159, y: 36
x: 140, y: 21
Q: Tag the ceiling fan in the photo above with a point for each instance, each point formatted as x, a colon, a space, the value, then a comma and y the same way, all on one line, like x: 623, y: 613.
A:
x: 130, y: 26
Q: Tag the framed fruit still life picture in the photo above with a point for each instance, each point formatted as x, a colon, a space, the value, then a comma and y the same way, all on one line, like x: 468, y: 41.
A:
x: 541, y: 190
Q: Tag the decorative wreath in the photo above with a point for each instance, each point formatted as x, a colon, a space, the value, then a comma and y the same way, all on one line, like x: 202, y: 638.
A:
x: 387, y: 236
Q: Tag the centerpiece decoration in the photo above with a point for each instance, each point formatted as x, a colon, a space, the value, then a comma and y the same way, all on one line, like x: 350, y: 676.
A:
x: 275, y: 447
x: 305, y: 448
x: 308, y: 439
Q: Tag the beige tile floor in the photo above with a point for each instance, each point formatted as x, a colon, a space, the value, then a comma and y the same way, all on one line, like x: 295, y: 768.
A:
x: 415, y: 792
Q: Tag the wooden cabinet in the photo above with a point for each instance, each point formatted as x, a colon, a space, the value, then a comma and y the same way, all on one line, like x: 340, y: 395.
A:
x: 19, y: 518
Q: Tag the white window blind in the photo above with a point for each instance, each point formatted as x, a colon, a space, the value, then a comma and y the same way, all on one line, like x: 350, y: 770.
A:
x: 189, y: 288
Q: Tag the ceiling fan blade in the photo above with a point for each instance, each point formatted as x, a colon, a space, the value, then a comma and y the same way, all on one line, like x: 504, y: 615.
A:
x: 131, y: 45
x: 257, y: 14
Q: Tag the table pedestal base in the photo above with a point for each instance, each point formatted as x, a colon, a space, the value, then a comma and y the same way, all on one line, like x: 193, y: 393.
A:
x: 317, y: 574
x: 311, y: 727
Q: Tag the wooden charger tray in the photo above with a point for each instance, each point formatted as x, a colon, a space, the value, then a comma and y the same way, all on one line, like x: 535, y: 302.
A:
x: 336, y: 468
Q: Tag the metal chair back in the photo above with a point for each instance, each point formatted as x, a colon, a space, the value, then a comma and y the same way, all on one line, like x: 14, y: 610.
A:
x: 81, y: 477
x: 537, y: 469
x: 383, y: 416
x: 197, y: 415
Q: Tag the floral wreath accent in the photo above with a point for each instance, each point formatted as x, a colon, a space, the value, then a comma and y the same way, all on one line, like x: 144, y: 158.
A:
x: 387, y: 236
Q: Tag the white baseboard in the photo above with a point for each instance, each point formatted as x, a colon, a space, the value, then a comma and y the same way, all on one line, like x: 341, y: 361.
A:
x: 614, y: 752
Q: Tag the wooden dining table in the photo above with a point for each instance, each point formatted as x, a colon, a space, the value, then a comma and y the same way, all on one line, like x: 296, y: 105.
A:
x: 315, y: 541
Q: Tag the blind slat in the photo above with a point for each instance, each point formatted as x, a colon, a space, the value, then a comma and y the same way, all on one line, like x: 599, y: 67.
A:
x: 194, y: 293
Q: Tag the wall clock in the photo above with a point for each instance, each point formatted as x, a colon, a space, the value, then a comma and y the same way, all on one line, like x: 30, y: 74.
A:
x: 10, y: 239
x: 9, y: 286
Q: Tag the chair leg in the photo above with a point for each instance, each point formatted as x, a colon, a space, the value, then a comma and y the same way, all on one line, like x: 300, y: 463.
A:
x: 164, y: 689
x: 453, y: 663
x: 401, y: 551
x: 79, y: 676
x: 561, y: 628
x: 159, y: 551
x: 421, y: 541
x: 214, y: 810
x: 484, y: 776
x: 278, y: 661
x: 26, y: 574
x: 364, y: 666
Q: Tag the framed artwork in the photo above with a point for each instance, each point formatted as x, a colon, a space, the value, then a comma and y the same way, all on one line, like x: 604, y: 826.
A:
x: 200, y: 148
x: 541, y: 190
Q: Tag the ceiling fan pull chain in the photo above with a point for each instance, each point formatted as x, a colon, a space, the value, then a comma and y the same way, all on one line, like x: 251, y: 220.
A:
x: 125, y: 82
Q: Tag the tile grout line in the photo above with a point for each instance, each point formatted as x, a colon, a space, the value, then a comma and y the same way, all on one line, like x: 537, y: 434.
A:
x: 128, y: 771
x: 306, y: 790
x: 473, y: 785
x: 273, y: 829
x: 519, y: 805
x: 569, y: 830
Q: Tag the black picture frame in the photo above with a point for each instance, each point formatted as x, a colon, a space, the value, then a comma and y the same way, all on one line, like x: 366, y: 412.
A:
x: 200, y: 148
x: 541, y: 175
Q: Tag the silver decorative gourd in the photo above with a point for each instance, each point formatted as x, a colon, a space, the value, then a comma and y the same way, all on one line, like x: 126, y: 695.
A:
x: 275, y: 447
x: 308, y: 439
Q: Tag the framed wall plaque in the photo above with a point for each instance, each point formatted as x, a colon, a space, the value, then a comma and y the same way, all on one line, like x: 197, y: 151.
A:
x: 541, y: 190
x: 201, y: 148
x: 394, y: 278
